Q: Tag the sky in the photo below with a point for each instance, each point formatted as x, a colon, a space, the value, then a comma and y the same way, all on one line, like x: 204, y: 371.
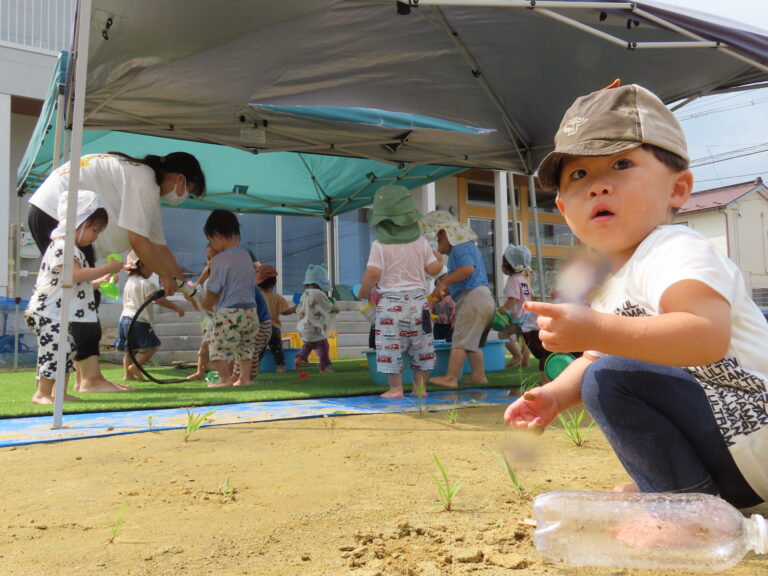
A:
x: 723, y: 124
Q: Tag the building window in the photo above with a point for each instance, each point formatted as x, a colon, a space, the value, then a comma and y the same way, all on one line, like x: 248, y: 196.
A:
x: 483, y: 194
x: 355, y: 237
x: 183, y: 230
x: 552, y: 234
x: 303, y: 244
x: 760, y: 296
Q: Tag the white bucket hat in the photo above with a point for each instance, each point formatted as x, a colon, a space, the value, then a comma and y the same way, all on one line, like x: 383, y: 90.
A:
x: 87, y: 204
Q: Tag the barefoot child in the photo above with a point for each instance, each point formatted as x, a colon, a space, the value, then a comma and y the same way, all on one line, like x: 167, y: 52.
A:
x: 516, y: 264
x: 43, y: 315
x: 203, y: 356
x: 266, y: 279
x: 314, y: 310
x: 229, y: 296
x: 145, y: 343
x: 467, y: 282
x: 398, y: 264
x: 674, y: 367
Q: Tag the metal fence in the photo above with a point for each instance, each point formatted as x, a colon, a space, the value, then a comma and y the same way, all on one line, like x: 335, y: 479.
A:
x: 40, y: 24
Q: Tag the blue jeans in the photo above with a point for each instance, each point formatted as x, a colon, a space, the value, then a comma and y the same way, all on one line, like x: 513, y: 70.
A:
x: 660, y: 424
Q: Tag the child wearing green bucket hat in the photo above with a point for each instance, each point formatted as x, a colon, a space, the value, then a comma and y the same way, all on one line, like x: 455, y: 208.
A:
x: 674, y: 370
x: 467, y: 283
x: 398, y: 265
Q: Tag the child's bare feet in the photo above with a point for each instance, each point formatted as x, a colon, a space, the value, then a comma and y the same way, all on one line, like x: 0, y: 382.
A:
x: 133, y: 373
x: 280, y: 368
x: 70, y: 398
x: 392, y: 394
x: 242, y: 383
x: 479, y: 380
x: 100, y: 385
x: 324, y: 370
x: 196, y: 376
x: 298, y: 364
x: 220, y: 384
x: 41, y: 399
x: 444, y: 381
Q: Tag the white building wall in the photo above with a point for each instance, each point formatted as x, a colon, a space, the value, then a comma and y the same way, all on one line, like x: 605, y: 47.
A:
x: 711, y: 224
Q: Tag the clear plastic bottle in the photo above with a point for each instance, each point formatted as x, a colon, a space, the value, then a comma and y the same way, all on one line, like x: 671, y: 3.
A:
x: 674, y: 531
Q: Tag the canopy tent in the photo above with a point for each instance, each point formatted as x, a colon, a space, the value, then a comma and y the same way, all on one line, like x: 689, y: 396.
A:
x: 225, y: 70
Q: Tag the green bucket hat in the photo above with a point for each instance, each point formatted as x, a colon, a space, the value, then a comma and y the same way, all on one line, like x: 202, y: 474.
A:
x: 393, y: 216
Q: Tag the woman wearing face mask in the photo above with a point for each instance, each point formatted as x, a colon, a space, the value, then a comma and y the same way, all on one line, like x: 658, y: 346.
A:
x: 131, y: 190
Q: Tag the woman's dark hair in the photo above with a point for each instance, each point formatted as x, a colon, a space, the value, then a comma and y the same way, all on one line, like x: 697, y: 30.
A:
x: 99, y: 217
x: 268, y: 283
x: 223, y: 223
x: 173, y: 163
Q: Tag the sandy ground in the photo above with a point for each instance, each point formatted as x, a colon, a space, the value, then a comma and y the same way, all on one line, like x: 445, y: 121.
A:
x: 326, y: 496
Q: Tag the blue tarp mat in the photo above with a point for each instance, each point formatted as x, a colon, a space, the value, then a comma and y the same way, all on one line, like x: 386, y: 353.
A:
x: 18, y: 431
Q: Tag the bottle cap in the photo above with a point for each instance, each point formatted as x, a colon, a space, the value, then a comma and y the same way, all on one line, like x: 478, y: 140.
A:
x: 556, y: 363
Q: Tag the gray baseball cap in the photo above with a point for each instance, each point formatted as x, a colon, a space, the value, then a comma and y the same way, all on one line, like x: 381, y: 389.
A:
x: 612, y: 121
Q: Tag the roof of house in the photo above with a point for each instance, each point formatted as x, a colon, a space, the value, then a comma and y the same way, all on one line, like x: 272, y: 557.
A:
x: 718, y: 197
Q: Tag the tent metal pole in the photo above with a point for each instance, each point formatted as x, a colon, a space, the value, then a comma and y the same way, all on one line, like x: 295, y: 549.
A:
x: 513, y: 208
x: 501, y: 223
x: 61, y: 102
x: 279, y: 252
x: 537, y: 235
x: 82, y: 26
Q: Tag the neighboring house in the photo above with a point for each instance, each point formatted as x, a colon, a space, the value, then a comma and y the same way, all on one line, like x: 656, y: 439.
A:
x: 735, y: 219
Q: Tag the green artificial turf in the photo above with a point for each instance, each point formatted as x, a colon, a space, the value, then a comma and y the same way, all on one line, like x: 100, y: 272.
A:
x: 351, y: 378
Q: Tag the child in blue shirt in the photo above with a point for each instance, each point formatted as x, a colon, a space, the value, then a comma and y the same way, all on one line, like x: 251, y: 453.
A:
x: 230, y: 297
x: 467, y: 283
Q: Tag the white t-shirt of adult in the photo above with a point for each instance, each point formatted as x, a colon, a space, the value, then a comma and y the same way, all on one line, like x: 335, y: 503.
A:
x: 127, y: 190
x: 737, y: 385
x: 403, y: 266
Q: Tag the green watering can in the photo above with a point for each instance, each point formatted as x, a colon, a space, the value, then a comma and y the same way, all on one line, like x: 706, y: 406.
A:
x: 110, y: 289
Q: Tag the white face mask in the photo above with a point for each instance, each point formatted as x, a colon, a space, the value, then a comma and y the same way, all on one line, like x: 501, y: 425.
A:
x: 173, y: 199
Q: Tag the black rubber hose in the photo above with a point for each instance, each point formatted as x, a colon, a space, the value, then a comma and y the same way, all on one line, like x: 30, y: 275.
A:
x: 129, y: 345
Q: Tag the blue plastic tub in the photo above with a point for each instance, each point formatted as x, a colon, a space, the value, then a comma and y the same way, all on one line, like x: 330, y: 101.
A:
x: 268, y: 361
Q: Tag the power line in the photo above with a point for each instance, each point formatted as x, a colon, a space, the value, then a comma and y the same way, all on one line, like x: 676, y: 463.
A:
x: 733, y: 154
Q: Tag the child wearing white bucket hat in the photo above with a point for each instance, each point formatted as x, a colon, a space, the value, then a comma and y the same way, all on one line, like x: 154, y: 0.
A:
x: 43, y: 314
x: 467, y: 282
x: 314, y: 311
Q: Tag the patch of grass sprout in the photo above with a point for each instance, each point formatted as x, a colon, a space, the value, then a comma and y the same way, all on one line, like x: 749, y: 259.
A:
x: 451, y: 415
x: 528, y: 382
x: 227, y: 489
x: 572, y: 427
x: 446, y: 489
x: 329, y: 423
x: 518, y: 487
x: 118, y: 524
x: 194, y: 421
x: 150, y: 425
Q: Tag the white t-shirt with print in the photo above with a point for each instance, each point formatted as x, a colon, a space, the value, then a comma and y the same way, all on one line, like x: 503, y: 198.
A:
x: 46, y: 299
x: 737, y: 385
x: 402, y: 265
x: 127, y: 190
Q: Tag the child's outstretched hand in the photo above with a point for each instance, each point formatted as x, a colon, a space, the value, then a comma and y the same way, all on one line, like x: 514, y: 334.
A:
x: 533, y: 411
x: 565, y: 327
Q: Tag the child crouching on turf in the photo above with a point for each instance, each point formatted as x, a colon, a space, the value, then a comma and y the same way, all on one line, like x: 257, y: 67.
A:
x: 314, y: 311
x: 145, y: 342
x: 229, y: 296
x: 467, y: 283
x: 674, y: 369
x: 43, y: 314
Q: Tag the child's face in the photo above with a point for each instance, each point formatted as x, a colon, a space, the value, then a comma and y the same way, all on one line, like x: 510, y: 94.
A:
x: 87, y: 233
x: 611, y: 203
x: 443, y: 245
x: 216, y: 245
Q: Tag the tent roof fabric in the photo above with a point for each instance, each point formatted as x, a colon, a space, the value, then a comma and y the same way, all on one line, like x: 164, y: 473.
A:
x: 508, y: 71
